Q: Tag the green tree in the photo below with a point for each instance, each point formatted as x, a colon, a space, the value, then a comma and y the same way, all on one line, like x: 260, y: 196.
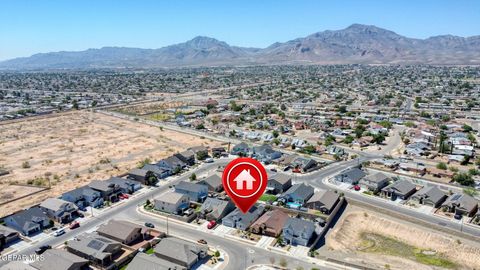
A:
x: 193, y: 177
x: 348, y: 139
x: 467, y: 128
x: 275, y: 134
x: 464, y: 179
x: 442, y: 166
x: 378, y: 138
x: 386, y: 124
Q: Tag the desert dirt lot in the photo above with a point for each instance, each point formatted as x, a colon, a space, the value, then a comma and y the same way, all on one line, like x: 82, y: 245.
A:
x: 383, y: 242
x: 70, y: 150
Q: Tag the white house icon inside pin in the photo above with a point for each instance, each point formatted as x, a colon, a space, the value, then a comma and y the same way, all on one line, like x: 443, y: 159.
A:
x: 244, y: 177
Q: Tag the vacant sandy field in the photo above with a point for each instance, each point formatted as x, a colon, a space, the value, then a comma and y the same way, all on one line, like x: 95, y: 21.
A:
x: 72, y: 149
x: 378, y: 240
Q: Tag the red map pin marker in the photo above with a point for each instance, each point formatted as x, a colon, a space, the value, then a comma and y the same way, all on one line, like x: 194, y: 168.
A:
x: 244, y: 180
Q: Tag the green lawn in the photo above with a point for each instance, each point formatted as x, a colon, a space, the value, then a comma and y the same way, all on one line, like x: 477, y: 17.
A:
x: 376, y: 243
x: 149, y: 251
x: 268, y: 198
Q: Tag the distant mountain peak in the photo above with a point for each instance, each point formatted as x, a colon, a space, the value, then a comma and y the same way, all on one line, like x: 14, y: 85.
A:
x: 358, y: 43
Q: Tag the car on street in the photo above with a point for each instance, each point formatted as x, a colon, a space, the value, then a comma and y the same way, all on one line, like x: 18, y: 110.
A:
x: 209, y: 160
x: 202, y: 241
x: 149, y: 225
x: 211, y: 224
x: 74, y: 225
x: 59, y: 232
x: 123, y: 196
x: 356, y: 188
x: 42, y: 249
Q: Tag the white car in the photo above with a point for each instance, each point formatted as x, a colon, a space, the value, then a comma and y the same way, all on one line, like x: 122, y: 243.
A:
x: 59, y: 232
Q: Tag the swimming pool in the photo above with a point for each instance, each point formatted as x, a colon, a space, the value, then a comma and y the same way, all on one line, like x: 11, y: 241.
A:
x: 294, y: 205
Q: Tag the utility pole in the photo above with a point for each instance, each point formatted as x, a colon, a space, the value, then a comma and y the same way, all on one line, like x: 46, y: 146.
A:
x: 167, y: 223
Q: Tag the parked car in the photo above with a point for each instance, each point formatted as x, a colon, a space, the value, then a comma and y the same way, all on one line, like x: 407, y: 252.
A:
x: 356, y: 188
x: 202, y: 241
x: 209, y: 160
x: 42, y: 249
x: 79, y: 214
x: 74, y: 225
x: 123, y: 196
x: 59, y: 232
x: 211, y: 224
x: 273, y: 170
x: 149, y: 225
x: 458, y: 216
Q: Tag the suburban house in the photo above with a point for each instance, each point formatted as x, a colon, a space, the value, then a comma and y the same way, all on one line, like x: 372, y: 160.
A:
x: 265, y: 153
x: 145, y: 177
x: 351, y: 176
x: 108, y: 191
x: 239, y: 220
x: 59, y: 210
x: 213, y: 182
x: 172, y: 202
x: 97, y: 249
x: 143, y: 261
x: 28, y: 221
x: 323, y: 201
x: 187, y: 156
x: 219, y: 152
x: 58, y: 259
x: 172, y: 163
x: 430, y: 195
x: 279, y: 183
x: 303, y: 164
x: 241, y: 149
x: 7, y: 236
x: 180, y: 252
x: 17, y: 265
x: 83, y: 197
x: 461, y: 204
x: 413, y: 167
x: 374, y: 182
x: 401, y: 189
x: 159, y: 172
x: 298, y: 231
x: 270, y: 223
x: 216, y: 209
x: 122, y: 231
x: 196, y: 192
x: 201, y: 151
x: 298, y: 193
x: 125, y: 185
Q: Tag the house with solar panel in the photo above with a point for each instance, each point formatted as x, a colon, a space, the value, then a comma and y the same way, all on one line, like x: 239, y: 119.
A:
x: 99, y: 250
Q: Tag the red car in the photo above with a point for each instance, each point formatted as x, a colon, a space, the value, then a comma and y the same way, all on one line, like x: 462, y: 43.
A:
x: 74, y: 225
x: 123, y: 196
x: 356, y: 187
x: 211, y: 224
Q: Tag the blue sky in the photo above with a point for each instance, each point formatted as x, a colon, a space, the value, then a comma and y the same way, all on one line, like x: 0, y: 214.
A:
x: 28, y: 27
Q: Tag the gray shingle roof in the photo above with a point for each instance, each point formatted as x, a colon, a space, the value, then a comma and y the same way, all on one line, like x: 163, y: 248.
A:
x: 281, y: 178
x: 119, y: 229
x: 179, y: 249
x: 94, y: 245
x: 402, y: 186
x: 171, y: 197
x: 327, y: 197
x: 376, y: 178
x: 433, y: 193
x: 300, y: 225
x: 187, y: 186
x: 56, y: 259
x: 144, y: 261
x: 55, y: 204
x: 300, y: 190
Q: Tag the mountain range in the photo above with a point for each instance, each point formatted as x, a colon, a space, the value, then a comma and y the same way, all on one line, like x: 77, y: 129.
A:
x: 364, y: 44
